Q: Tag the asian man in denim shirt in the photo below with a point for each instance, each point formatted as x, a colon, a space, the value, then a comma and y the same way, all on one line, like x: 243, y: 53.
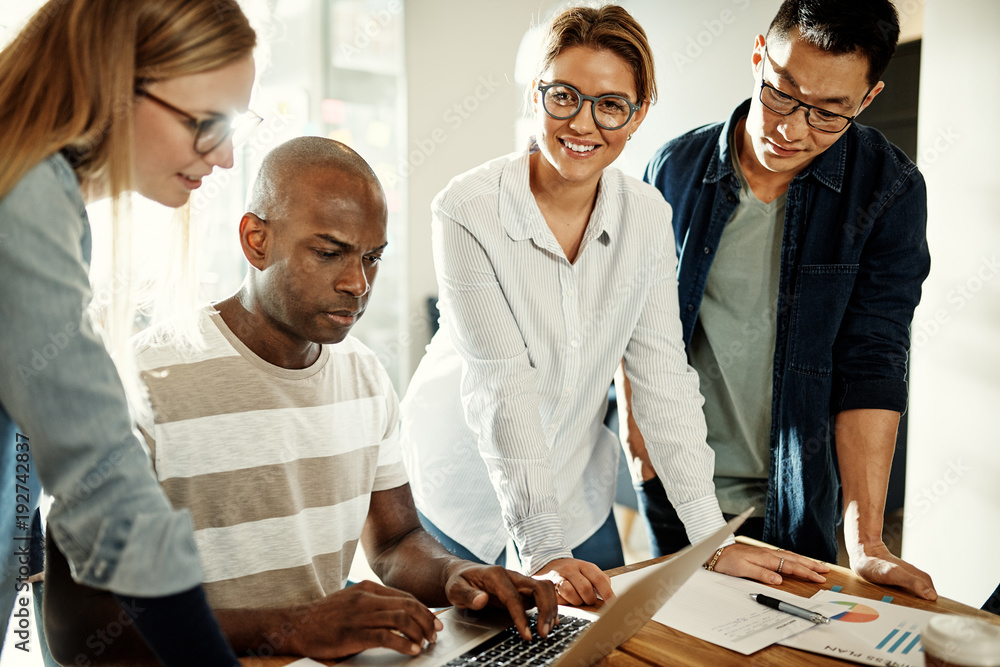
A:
x: 802, y: 250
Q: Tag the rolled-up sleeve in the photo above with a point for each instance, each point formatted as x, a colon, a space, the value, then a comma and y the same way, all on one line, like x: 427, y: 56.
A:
x: 58, y: 383
x: 872, y: 344
x: 499, y: 393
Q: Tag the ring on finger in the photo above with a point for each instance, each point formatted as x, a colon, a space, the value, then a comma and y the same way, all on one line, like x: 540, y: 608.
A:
x: 780, y: 565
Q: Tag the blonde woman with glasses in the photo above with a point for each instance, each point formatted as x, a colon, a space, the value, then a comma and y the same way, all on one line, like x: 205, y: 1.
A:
x: 102, y: 98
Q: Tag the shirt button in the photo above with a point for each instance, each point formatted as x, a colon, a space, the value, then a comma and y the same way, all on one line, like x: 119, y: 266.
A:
x: 570, y: 292
x: 568, y: 391
x: 730, y: 196
x: 708, y: 251
x: 575, y: 343
x: 690, y: 307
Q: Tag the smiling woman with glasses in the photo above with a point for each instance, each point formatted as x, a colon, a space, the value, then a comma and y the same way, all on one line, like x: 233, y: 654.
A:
x: 610, y: 112
x: 553, y: 266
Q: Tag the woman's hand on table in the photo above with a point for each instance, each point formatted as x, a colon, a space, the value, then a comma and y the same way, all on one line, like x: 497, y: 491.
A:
x: 768, y: 565
x: 577, y: 582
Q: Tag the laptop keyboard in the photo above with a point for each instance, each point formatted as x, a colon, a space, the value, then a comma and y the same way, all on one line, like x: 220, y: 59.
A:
x: 508, y: 649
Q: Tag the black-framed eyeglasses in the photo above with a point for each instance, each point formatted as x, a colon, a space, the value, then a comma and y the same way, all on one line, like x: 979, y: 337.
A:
x: 817, y: 118
x: 562, y: 101
x: 209, y: 133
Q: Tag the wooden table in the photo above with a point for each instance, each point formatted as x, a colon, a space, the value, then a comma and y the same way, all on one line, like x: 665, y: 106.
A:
x: 658, y: 645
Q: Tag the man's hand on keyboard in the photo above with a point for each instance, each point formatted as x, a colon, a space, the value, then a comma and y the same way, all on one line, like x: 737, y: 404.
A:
x: 473, y: 586
x: 365, y: 615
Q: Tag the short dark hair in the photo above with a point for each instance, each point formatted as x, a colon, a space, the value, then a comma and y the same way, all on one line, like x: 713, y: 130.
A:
x: 870, y: 27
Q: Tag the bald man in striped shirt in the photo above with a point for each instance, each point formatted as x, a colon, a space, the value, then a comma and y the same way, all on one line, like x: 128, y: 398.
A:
x: 277, y: 431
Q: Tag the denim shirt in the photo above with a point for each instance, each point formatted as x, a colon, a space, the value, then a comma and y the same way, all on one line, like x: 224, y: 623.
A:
x: 59, y: 386
x: 853, y: 258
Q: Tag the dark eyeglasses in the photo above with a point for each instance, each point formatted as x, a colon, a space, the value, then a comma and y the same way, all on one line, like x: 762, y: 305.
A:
x: 818, y: 119
x: 562, y: 101
x: 209, y: 133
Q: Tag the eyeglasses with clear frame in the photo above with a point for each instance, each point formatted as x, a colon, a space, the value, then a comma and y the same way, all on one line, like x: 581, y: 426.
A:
x: 817, y: 118
x: 209, y: 133
x: 562, y: 101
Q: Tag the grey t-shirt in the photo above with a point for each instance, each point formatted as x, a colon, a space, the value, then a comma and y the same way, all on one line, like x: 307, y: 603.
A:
x: 732, y: 347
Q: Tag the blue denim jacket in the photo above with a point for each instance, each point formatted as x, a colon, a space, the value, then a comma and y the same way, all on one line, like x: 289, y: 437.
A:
x: 59, y: 386
x: 854, y: 255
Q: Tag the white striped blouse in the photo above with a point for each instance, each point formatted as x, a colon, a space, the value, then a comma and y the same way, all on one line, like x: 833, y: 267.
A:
x: 502, y: 424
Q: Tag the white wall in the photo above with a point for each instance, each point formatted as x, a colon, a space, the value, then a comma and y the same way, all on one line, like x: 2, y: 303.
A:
x: 461, y: 95
x: 953, y: 475
x: 702, y: 52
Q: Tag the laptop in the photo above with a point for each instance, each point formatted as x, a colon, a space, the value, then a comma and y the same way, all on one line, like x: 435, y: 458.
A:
x: 581, y: 638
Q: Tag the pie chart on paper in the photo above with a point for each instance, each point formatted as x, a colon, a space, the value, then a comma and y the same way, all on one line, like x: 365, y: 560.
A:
x: 856, y: 613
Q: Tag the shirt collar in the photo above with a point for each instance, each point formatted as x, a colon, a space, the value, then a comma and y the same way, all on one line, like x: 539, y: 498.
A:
x: 518, y: 211
x: 828, y: 169
x: 522, y: 220
x: 721, y: 166
x: 830, y: 166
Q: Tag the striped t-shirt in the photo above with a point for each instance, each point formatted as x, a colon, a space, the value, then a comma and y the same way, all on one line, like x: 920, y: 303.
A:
x: 275, y: 465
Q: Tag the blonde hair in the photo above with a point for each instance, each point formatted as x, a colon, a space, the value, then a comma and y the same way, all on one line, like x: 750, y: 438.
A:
x: 608, y: 28
x: 68, y: 82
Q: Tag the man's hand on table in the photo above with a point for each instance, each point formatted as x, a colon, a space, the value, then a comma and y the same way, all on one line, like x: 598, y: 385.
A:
x: 876, y: 564
x: 763, y: 564
x: 577, y: 582
x: 473, y: 586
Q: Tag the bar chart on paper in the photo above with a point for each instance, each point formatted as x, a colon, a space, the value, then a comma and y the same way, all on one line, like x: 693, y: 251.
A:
x: 865, y: 631
x: 902, y: 641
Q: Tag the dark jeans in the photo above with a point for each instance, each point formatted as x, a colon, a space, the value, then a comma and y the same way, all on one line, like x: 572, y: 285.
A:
x: 664, y: 527
x: 603, y: 548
